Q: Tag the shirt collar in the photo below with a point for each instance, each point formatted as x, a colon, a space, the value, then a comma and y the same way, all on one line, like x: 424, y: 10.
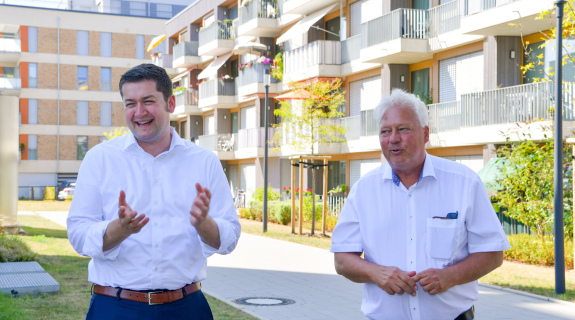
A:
x: 426, y: 171
x: 176, y: 140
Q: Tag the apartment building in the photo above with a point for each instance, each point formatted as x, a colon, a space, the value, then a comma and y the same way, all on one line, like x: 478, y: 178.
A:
x: 61, y: 63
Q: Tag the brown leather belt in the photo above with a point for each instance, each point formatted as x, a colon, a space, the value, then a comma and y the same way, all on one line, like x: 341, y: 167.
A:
x: 151, y: 298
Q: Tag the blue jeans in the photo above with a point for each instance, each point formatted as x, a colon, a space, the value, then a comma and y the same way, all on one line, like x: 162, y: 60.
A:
x: 193, y: 306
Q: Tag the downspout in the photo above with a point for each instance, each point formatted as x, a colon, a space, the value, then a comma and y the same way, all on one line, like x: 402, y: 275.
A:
x: 58, y: 117
x: 341, y: 20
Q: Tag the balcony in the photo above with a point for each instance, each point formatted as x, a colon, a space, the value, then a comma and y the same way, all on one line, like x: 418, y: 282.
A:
x: 305, y: 7
x: 9, y: 83
x: 493, y: 17
x: 320, y: 58
x: 223, y: 144
x: 186, y: 55
x: 259, y: 19
x: 463, y: 122
x: 217, y: 39
x: 187, y: 104
x: 405, y: 39
x: 217, y: 92
x: 9, y: 49
x: 251, y: 81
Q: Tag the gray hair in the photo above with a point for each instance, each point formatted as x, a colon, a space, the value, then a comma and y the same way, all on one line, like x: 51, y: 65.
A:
x: 400, y: 98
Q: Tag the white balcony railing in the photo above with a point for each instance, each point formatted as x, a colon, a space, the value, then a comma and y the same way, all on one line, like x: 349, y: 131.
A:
x: 187, y: 98
x: 10, y: 83
x: 444, y: 18
x: 350, y: 48
x: 218, y: 30
x: 401, y: 23
x: 163, y: 60
x: 266, y: 9
x: 507, y: 105
x: 321, y: 52
x: 9, y: 44
x: 255, y: 74
x: 255, y: 138
x: 217, y: 87
x: 475, y: 6
x: 186, y: 48
x: 209, y: 142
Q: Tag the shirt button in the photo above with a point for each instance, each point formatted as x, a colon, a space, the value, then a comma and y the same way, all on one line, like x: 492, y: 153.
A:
x: 156, y: 269
x: 155, y: 202
x: 157, y: 245
x: 155, y: 224
x: 155, y: 180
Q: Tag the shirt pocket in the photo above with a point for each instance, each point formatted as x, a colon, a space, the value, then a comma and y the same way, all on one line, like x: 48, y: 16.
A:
x: 441, y: 237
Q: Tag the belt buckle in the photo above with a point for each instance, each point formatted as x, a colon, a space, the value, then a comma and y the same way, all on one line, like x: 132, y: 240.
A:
x: 150, y: 298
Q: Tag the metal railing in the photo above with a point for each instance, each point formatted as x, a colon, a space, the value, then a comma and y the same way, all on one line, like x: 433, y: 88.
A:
x: 335, y: 204
x: 369, y: 125
x: 187, y: 98
x: 266, y: 9
x: 350, y: 48
x: 444, y: 18
x: 186, y: 48
x: 353, y: 127
x: 10, y: 83
x: 400, y: 23
x: 218, y: 30
x: 255, y: 138
x: 507, y: 105
x: 477, y: 6
x: 324, y: 52
x: 8, y: 44
x: 217, y: 87
x: 255, y: 74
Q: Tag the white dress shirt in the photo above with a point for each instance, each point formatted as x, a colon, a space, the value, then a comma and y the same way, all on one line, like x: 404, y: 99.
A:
x: 167, y: 253
x: 394, y: 226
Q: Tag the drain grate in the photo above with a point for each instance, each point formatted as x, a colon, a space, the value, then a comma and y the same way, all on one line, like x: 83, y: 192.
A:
x: 264, y: 301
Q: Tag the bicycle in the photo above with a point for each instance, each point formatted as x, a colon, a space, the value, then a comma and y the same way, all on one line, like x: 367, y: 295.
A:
x: 240, y: 200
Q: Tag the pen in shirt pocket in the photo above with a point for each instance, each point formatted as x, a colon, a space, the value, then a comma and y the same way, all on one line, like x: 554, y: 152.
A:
x: 449, y: 216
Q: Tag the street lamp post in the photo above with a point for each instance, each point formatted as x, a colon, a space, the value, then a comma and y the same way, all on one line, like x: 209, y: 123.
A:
x: 267, y: 86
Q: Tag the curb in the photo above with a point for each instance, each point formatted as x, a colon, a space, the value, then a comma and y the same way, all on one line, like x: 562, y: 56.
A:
x: 527, y: 294
x: 235, y: 306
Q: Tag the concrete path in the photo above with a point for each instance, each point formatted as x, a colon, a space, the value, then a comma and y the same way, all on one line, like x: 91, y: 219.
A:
x: 267, y: 268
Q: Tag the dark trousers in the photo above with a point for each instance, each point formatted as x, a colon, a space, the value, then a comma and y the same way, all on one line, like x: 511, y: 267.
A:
x: 192, y: 307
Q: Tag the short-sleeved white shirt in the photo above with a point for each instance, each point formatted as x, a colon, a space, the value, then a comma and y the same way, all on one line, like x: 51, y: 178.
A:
x: 394, y: 226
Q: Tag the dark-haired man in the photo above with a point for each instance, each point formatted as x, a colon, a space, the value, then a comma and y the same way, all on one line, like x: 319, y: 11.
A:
x: 149, y: 208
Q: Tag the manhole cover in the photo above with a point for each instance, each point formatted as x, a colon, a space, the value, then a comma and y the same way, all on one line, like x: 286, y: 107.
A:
x: 264, y: 301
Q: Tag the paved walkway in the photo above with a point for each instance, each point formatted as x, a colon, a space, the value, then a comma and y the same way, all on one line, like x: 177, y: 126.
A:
x: 264, y: 267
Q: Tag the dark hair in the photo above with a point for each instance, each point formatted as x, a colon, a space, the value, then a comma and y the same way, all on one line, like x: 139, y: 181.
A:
x: 148, y: 71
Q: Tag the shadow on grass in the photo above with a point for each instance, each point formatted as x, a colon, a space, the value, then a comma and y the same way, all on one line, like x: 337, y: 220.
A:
x: 51, y: 233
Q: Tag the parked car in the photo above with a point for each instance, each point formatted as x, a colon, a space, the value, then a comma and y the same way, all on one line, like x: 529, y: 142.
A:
x: 64, y: 184
x: 68, y: 191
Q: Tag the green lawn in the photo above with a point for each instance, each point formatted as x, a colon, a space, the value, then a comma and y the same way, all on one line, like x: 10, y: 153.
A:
x: 55, y: 254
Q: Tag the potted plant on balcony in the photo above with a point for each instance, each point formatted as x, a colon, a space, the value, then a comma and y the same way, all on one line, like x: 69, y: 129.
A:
x: 277, y: 68
x: 178, y: 90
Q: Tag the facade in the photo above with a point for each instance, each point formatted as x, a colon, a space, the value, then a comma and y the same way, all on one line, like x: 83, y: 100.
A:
x: 462, y: 57
x: 63, y: 64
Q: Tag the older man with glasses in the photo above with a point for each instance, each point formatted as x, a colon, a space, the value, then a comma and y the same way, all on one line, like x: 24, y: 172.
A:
x: 425, y: 225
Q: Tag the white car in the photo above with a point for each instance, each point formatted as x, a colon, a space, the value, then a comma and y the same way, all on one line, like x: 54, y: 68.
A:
x: 68, y: 191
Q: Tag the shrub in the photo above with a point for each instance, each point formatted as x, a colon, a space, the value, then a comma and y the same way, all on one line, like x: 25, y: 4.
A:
x: 280, y: 212
x: 49, y: 193
x: 330, y: 222
x: 259, y: 195
x: 13, y: 249
x: 256, y: 210
x: 308, y: 206
x: 530, y: 249
x: 244, y: 213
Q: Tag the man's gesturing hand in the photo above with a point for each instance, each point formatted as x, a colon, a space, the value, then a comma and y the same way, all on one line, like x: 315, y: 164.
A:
x: 130, y: 221
x: 433, y: 281
x: 394, y: 280
x: 200, y: 207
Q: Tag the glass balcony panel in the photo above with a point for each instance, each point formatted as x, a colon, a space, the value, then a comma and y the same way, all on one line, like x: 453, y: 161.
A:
x: 8, y: 44
x: 186, y: 48
x: 444, y: 18
x: 209, y: 142
x: 255, y: 74
x: 217, y: 87
x: 266, y: 9
x: 10, y: 83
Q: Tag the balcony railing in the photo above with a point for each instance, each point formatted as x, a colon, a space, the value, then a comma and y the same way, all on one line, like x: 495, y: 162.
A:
x: 209, y: 142
x: 218, y: 30
x: 324, y: 52
x: 507, y: 105
x: 255, y: 138
x: 187, y: 98
x: 255, y: 74
x: 9, y: 44
x: 163, y: 60
x: 350, y: 48
x: 10, y: 83
x: 224, y: 142
x: 266, y: 9
x: 476, y: 6
x: 186, y: 48
x: 444, y: 18
x: 217, y: 87
x: 401, y: 23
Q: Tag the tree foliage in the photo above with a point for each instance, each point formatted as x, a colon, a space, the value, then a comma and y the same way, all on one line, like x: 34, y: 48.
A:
x: 527, y: 184
x: 313, y: 120
x: 117, y: 132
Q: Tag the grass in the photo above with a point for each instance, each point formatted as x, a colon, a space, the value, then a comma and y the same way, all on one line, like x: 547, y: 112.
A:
x: 282, y: 232
x: 55, y: 254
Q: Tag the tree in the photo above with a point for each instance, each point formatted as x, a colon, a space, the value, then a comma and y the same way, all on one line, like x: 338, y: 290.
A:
x: 313, y: 120
x: 526, y: 181
x: 117, y: 132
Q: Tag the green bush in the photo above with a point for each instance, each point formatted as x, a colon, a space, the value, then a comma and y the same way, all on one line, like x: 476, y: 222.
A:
x: 531, y: 249
x: 308, y: 206
x: 256, y: 210
x: 280, y: 212
x: 259, y: 195
x: 244, y: 213
x: 13, y: 249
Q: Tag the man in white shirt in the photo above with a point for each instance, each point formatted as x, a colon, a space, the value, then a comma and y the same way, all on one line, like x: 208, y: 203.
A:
x: 149, y: 208
x: 424, y: 224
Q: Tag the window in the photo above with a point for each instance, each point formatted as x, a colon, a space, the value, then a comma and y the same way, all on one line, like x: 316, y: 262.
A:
x: 32, y: 111
x: 333, y: 27
x: 81, y: 147
x: 82, y: 113
x: 33, y: 75
x: 105, y: 44
x: 105, y: 114
x: 82, y: 43
x: 420, y: 84
x: 82, y: 78
x: 105, y: 79
x: 32, y: 147
x: 140, y: 47
x: 234, y: 122
x: 336, y: 174
x: 32, y: 39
